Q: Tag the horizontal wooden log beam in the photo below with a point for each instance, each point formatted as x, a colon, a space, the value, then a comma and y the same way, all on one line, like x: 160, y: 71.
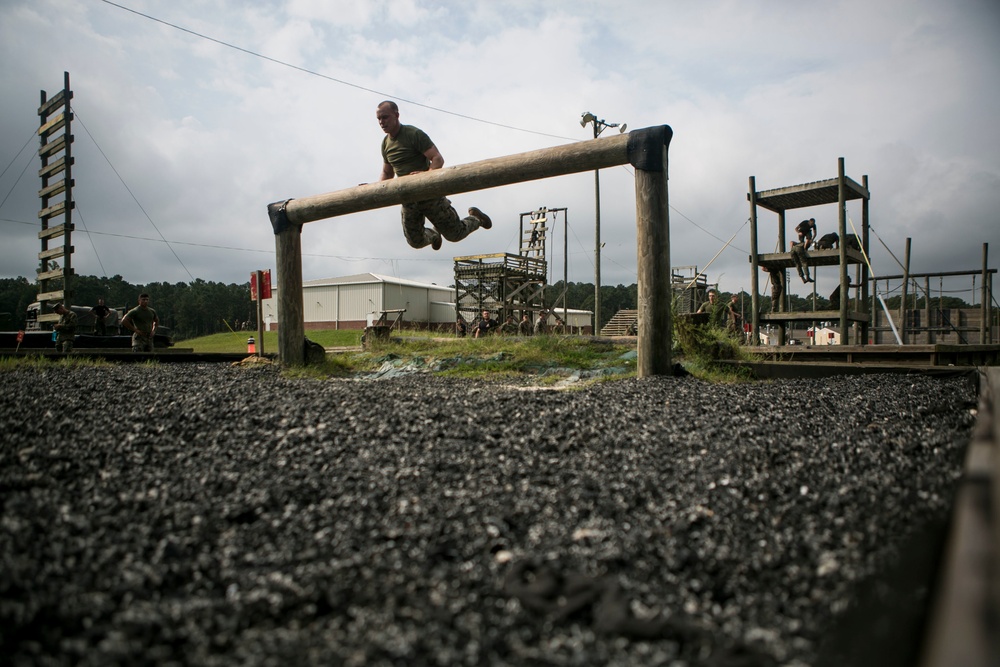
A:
x: 533, y: 165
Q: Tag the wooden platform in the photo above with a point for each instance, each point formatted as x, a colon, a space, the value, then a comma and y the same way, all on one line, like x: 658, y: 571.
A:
x: 813, y: 316
x: 890, y: 355
x: 831, y: 257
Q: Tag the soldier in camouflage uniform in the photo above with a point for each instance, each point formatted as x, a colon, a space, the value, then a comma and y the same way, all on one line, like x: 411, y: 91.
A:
x: 509, y: 327
x: 716, y: 311
x: 142, y: 322
x: 807, y: 232
x: 777, y: 287
x: 407, y: 150
x: 524, y: 328
x: 65, y: 328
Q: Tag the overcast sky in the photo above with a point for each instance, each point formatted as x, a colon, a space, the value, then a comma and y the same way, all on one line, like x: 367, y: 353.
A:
x: 183, y: 138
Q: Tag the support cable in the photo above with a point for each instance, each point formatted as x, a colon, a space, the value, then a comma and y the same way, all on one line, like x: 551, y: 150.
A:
x: 702, y: 272
x: 76, y: 115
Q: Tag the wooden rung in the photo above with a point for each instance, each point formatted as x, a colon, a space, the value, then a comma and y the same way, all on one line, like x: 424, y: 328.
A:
x: 56, y: 100
x: 56, y: 123
x: 56, y: 295
x: 54, y: 168
x: 54, y: 273
x: 56, y: 188
x: 52, y: 211
x: 54, y: 146
x: 52, y: 253
x: 58, y: 230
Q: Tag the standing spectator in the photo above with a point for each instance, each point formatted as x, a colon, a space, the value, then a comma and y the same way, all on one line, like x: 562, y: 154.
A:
x: 524, y: 328
x: 100, y: 313
x: 485, y: 326
x: 542, y: 323
x: 461, y: 328
x: 735, y: 318
x: 509, y: 327
x: 142, y: 322
x: 716, y: 311
x: 65, y: 328
x: 408, y: 150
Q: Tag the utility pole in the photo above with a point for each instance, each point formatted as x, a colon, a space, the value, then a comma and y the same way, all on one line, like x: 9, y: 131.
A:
x: 599, y: 126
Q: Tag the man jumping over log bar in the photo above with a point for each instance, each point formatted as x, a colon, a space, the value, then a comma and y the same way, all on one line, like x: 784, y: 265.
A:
x: 405, y: 150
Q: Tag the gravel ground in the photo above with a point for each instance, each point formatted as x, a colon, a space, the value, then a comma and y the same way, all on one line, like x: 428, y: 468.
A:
x: 217, y: 515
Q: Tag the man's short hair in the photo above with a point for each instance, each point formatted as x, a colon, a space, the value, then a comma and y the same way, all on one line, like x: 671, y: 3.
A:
x: 392, y: 105
x: 143, y: 296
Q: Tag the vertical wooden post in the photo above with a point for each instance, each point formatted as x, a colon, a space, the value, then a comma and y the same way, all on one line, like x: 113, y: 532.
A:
x: 291, y: 322
x: 906, y: 284
x: 983, y: 311
x: 597, y: 247
x: 863, y: 289
x: 648, y: 154
x: 786, y: 297
x: 931, y: 337
x: 259, y: 277
x: 845, y: 332
x: 754, y: 264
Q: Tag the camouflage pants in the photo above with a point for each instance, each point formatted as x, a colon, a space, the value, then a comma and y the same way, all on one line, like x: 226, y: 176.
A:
x: 441, y: 214
x: 64, y: 343
x: 142, y: 343
x: 777, y: 291
x: 800, y: 258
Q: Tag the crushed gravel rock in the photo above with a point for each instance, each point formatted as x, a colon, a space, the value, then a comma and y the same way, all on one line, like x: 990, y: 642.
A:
x: 219, y: 515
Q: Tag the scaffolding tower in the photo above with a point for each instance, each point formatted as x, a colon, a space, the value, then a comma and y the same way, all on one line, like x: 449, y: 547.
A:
x: 506, y: 283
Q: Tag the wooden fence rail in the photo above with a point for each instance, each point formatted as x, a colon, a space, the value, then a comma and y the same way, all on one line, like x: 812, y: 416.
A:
x: 644, y: 149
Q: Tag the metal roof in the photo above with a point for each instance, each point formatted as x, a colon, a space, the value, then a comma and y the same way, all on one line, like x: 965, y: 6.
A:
x: 369, y: 278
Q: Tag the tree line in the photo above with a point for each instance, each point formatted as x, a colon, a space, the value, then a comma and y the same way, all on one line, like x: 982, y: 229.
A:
x: 202, y: 307
x: 189, y: 310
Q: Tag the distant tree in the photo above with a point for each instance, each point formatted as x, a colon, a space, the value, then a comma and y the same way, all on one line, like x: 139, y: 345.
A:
x: 16, y: 294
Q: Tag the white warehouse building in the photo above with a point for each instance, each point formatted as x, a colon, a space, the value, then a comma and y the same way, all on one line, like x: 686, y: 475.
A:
x: 353, y: 302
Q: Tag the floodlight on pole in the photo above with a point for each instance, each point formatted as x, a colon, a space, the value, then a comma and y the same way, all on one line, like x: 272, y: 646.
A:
x: 599, y: 126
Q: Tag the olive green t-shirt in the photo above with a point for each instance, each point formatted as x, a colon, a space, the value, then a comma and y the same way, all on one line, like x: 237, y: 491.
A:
x: 142, y: 319
x: 406, y: 152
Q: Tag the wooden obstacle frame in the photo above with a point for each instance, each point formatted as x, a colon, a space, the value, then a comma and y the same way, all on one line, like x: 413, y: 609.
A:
x: 646, y: 150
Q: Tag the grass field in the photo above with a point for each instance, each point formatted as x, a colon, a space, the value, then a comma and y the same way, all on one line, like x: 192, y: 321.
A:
x: 236, y: 342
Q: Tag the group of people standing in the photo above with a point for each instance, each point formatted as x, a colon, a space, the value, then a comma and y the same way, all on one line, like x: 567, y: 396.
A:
x: 486, y: 325
x: 723, y: 315
x: 141, y: 321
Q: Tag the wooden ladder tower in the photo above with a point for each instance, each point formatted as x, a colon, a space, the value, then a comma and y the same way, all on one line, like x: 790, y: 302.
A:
x: 55, y: 270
